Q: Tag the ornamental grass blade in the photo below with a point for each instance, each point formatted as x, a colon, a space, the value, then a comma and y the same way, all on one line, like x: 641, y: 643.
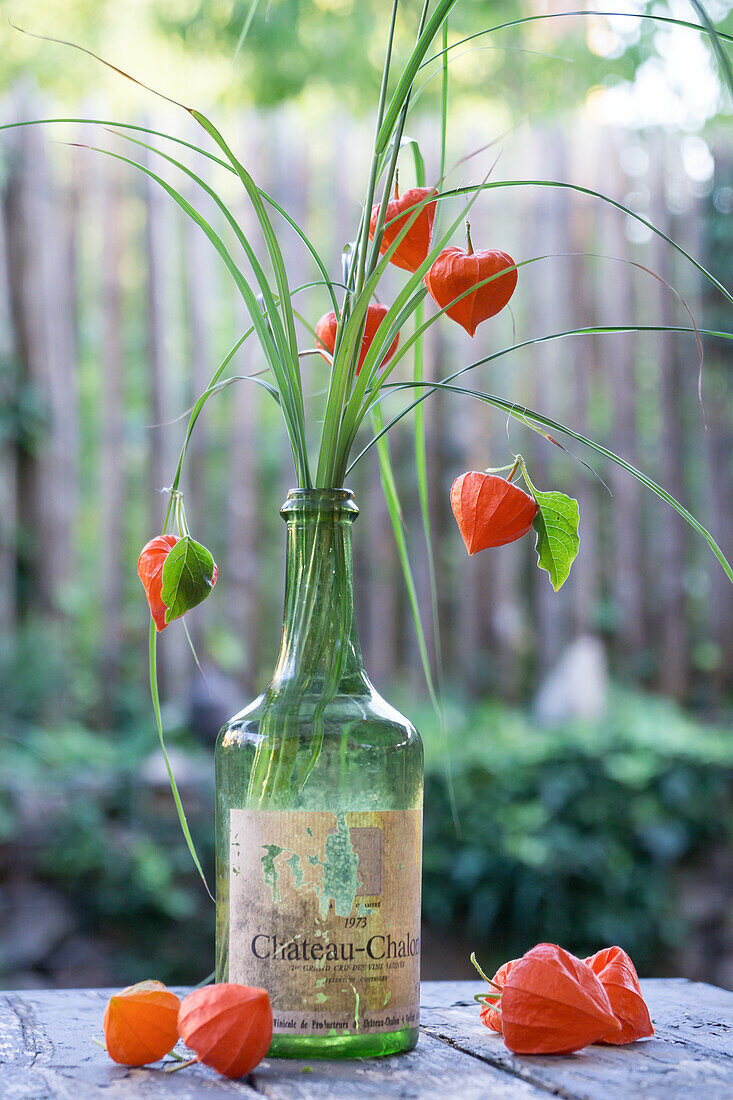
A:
x: 488, y: 186
x: 421, y: 455
x: 153, y: 666
x: 708, y: 29
x: 271, y: 243
x: 357, y: 407
x: 245, y: 28
x: 101, y: 60
x: 404, y: 85
x: 269, y: 304
x: 391, y: 497
x: 332, y: 456
x: 296, y: 431
x: 722, y: 57
x: 589, y: 330
x: 292, y: 393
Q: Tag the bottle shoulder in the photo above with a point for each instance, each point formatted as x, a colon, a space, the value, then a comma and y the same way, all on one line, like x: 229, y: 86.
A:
x: 363, y: 717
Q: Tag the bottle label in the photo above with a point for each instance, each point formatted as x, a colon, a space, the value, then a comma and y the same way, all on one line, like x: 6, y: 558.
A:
x: 325, y: 915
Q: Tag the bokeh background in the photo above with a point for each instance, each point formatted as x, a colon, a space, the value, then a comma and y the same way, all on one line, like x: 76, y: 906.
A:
x: 583, y: 793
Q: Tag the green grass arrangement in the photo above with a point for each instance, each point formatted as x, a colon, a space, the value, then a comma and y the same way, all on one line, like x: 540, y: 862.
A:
x: 350, y: 419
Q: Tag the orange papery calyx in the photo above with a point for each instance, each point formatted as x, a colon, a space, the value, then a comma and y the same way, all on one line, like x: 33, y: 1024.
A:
x: 328, y: 324
x: 553, y: 1003
x: 617, y: 974
x: 458, y: 273
x: 141, y: 1023
x: 415, y: 245
x: 490, y: 510
x: 229, y: 1026
x: 150, y: 571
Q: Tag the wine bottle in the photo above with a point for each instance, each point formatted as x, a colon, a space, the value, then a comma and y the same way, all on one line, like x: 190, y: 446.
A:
x: 319, y: 820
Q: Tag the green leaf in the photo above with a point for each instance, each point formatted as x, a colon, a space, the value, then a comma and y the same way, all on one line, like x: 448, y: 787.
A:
x: 188, y: 575
x: 556, y: 524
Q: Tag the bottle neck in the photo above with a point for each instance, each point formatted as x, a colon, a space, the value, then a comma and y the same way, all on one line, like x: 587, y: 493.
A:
x: 319, y: 650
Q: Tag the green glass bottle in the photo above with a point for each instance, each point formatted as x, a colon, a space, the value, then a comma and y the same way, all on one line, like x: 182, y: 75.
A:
x: 319, y: 820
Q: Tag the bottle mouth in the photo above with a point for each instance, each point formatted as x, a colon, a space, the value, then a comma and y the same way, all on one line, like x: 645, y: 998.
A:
x: 339, y: 501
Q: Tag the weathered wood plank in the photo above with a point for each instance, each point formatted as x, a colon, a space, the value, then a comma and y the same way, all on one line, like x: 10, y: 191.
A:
x: 433, y: 1071
x: 47, y: 1051
x: 691, y: 1054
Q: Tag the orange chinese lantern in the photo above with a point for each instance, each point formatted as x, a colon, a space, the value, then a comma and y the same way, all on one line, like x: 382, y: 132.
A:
x: 456, y: 272
x: 489, y: 510
x: 141, y: 1023
x: 228, y: 1025
x: 617, y: 974
x: 553, y: 1003
x: 415, y: 245
x: 326, y: 333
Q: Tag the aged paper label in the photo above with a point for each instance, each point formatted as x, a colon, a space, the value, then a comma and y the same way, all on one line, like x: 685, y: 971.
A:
x: 325, y: 915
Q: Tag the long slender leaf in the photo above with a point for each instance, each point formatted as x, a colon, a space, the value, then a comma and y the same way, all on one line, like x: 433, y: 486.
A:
x: 392, y: 158
x: 355, y: 408
x: 402, y: 91
x: 262, y: 282
x: 421, y: 449
x: 295, y: 396
x: 116, y: 125
x: 281, y: 278
x: 245, y: 28
x: 494, y: 184
x: 406, y: 345
x: 295, y: 432
x: 390, y: 495
x: 567, y: 14
x: 153, y: 661
x: 351, y: 327
x: 722, y: 56
x: 591, y: 330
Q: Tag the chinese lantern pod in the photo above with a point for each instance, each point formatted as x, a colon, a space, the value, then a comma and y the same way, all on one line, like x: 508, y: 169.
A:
x: 229, y: 1026
x: 141, y: 1023
x: 489, y: 1014
x: 415, y: 245
x: 617, y: 974
x: 553, y: 1003
x: 150, y: 571
x: 489, y: 510
x: 326, y: 333
x: 456, y: 272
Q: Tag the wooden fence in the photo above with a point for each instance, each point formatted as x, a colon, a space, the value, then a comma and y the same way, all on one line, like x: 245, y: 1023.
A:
x: 114, y: 311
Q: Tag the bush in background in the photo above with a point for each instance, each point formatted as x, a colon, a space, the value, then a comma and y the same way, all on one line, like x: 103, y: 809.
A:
x: 571, y: 835
x: 574, y: 835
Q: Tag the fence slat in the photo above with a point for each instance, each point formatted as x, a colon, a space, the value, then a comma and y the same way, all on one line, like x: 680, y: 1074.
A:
x: 638, y: 577
x: 673, y: 647
x: 112, y: 483
x: 39, y: 224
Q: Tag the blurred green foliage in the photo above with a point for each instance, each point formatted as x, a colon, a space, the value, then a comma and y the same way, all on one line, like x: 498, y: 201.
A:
x: 92, y: 815
x: 331, y: 48
x: 572, y: 835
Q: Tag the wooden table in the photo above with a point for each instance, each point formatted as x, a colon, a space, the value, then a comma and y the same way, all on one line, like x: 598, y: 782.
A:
x: 47, y: 1052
